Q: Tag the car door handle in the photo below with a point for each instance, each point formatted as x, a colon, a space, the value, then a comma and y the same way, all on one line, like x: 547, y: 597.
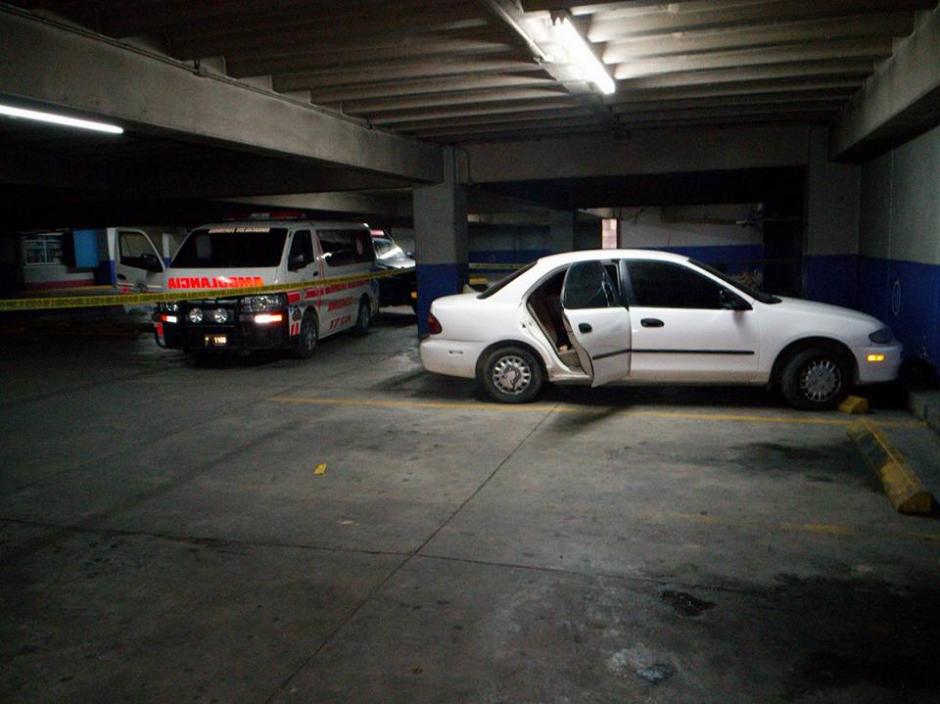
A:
x: 122, y: 277
x: 584, y: 327
x: 652, y: 323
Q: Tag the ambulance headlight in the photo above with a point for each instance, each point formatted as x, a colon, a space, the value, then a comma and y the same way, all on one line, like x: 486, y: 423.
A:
x: 168, y: 307
x: 195, y: 315
x: 264, y: 302
x: 220, y: 315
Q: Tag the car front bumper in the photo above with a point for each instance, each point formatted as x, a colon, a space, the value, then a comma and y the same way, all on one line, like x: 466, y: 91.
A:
x: 878, y: 363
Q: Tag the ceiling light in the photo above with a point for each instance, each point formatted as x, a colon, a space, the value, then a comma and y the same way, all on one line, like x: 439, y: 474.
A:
x: 578, y: 52
x: 55, y: 119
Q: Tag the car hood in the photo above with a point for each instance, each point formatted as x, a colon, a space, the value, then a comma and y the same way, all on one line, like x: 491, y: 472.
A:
x: 218, y: 279
x: 813, y: 308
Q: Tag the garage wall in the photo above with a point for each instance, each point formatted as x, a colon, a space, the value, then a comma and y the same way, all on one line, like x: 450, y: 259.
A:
x: 831, y: 246
x: 899, y: 258
x: 707, y: 233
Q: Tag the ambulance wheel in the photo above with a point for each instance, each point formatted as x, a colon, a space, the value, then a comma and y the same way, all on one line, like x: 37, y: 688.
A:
x: 307, y: 340
x: 365, y: 317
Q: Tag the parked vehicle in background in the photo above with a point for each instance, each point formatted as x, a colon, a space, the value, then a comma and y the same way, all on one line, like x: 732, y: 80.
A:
x: 640, y: 316
x: 254, y: 253
x: 401, y: 290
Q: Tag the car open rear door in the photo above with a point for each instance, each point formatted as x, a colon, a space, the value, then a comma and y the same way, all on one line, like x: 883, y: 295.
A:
x: 598, y: 322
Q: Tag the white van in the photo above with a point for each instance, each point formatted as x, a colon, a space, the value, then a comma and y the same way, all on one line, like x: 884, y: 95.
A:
x: 217, y: 257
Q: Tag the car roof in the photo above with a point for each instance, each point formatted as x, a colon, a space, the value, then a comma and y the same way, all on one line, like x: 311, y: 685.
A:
x: 320, y: 224
x: 588, y: 254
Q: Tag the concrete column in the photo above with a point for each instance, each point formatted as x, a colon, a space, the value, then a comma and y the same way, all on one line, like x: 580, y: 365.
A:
x: 831, y: 240
x: 440, y: 219
x: 561, y: 229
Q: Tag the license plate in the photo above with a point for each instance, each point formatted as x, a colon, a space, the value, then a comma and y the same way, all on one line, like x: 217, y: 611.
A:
x: 216, y: 340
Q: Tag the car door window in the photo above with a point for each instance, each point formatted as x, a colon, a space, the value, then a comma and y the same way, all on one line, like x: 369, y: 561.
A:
x: 667, y: 285
x: 133, y: 247
x: 345, y: 247
x: 301, y: 245
x: 588, y: 285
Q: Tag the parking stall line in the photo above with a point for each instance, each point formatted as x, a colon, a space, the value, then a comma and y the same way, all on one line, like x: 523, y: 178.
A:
x: 392, y: 404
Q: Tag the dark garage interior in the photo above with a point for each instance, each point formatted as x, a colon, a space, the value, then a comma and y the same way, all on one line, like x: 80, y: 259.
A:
x: 278, y: 493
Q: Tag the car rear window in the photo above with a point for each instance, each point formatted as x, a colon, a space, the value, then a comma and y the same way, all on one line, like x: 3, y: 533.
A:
x: 503, y: 283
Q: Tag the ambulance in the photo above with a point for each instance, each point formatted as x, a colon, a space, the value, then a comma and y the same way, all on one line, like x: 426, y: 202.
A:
x: 267, y: 252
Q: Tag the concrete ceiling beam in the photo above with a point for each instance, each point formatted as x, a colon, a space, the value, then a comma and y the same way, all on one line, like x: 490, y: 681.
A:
x: 395, y: 71
x: 286, y: 60
x: 742, y: 89
x: 782, y: 98
x: 653, y: 151
x: 834, y: 50
x: 427, y: 86
x: 494, y: 109
x: 900, y: 100
x: 151, y: 93
x: 893, y: 24
x: 688, y: 17
x: 436, y: 17
x: 795, y: 71
x: 446, y: 123
x: 462, y: 97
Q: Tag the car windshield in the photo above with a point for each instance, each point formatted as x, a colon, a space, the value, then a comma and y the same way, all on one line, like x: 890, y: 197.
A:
x: 752, y: 292
x: 232, y: 247
x: 502, y: 283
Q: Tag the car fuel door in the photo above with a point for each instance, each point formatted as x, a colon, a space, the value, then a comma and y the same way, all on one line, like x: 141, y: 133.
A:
x: 597, y: 321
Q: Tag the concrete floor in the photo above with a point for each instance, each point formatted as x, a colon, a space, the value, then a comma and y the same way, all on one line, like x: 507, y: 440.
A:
x: 164, y: 538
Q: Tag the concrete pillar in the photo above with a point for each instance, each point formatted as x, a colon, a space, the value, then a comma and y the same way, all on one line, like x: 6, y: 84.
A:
x: 440, y: 219
x: 561, y: 230
x: 831, y: 240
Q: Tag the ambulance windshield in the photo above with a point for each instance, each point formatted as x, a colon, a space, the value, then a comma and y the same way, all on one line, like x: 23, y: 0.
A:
x: 231, y: 247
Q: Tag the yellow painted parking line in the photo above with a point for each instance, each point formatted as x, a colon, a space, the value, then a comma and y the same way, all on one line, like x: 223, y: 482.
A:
x: 546, y: 408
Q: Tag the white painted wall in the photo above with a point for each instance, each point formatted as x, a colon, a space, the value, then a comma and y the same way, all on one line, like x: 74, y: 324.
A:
x: 686, y: 226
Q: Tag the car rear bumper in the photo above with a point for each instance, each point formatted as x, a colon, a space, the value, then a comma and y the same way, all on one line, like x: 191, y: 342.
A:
x: 450, y: 357
x: 878, y: 363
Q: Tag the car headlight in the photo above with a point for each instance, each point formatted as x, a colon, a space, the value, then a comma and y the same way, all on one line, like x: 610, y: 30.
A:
x: 220, y: 315
x: 168, y: 307
x: 264, y: 302
x: 882, y: 336
x: 195, y: 315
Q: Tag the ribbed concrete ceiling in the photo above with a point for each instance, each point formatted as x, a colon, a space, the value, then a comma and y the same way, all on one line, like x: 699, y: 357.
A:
x: 456, y: 70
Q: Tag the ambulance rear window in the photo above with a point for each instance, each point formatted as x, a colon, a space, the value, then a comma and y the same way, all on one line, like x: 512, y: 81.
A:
x: 231, y: 248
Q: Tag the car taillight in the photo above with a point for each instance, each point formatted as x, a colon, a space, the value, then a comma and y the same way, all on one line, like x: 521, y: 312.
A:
x: 434, y: 325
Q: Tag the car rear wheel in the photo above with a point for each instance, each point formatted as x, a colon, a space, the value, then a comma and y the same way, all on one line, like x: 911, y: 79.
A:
x: 306, y: 342
x: 511, y: 375
x: 816, y: 379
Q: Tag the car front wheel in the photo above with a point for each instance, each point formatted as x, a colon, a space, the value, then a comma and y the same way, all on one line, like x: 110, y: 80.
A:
x: 306, y: 342
x: 511, y: 375
x: 816, y: 379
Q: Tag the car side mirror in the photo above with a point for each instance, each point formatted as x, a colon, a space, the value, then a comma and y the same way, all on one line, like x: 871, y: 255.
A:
x: 731, y: 301
x: 150, y: 262
x: 297, y: 261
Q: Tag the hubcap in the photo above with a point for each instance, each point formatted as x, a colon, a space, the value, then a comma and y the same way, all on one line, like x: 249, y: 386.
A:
x: 512, y: 375
x: 821, y: 380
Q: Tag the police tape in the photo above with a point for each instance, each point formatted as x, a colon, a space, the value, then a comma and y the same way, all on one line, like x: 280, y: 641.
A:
x: 315, y: 287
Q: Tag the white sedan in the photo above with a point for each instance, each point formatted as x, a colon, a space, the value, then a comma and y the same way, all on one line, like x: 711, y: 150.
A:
x: 641, y: 316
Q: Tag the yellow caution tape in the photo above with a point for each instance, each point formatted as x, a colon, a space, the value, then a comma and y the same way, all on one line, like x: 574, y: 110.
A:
x: 123, y: 299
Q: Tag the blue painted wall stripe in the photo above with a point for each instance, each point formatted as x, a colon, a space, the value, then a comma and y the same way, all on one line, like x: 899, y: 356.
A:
x: 434, y: 281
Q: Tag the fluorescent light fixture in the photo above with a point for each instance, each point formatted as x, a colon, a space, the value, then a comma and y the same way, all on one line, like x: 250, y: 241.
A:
x: 53, y: 119
x: 579, y: 53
